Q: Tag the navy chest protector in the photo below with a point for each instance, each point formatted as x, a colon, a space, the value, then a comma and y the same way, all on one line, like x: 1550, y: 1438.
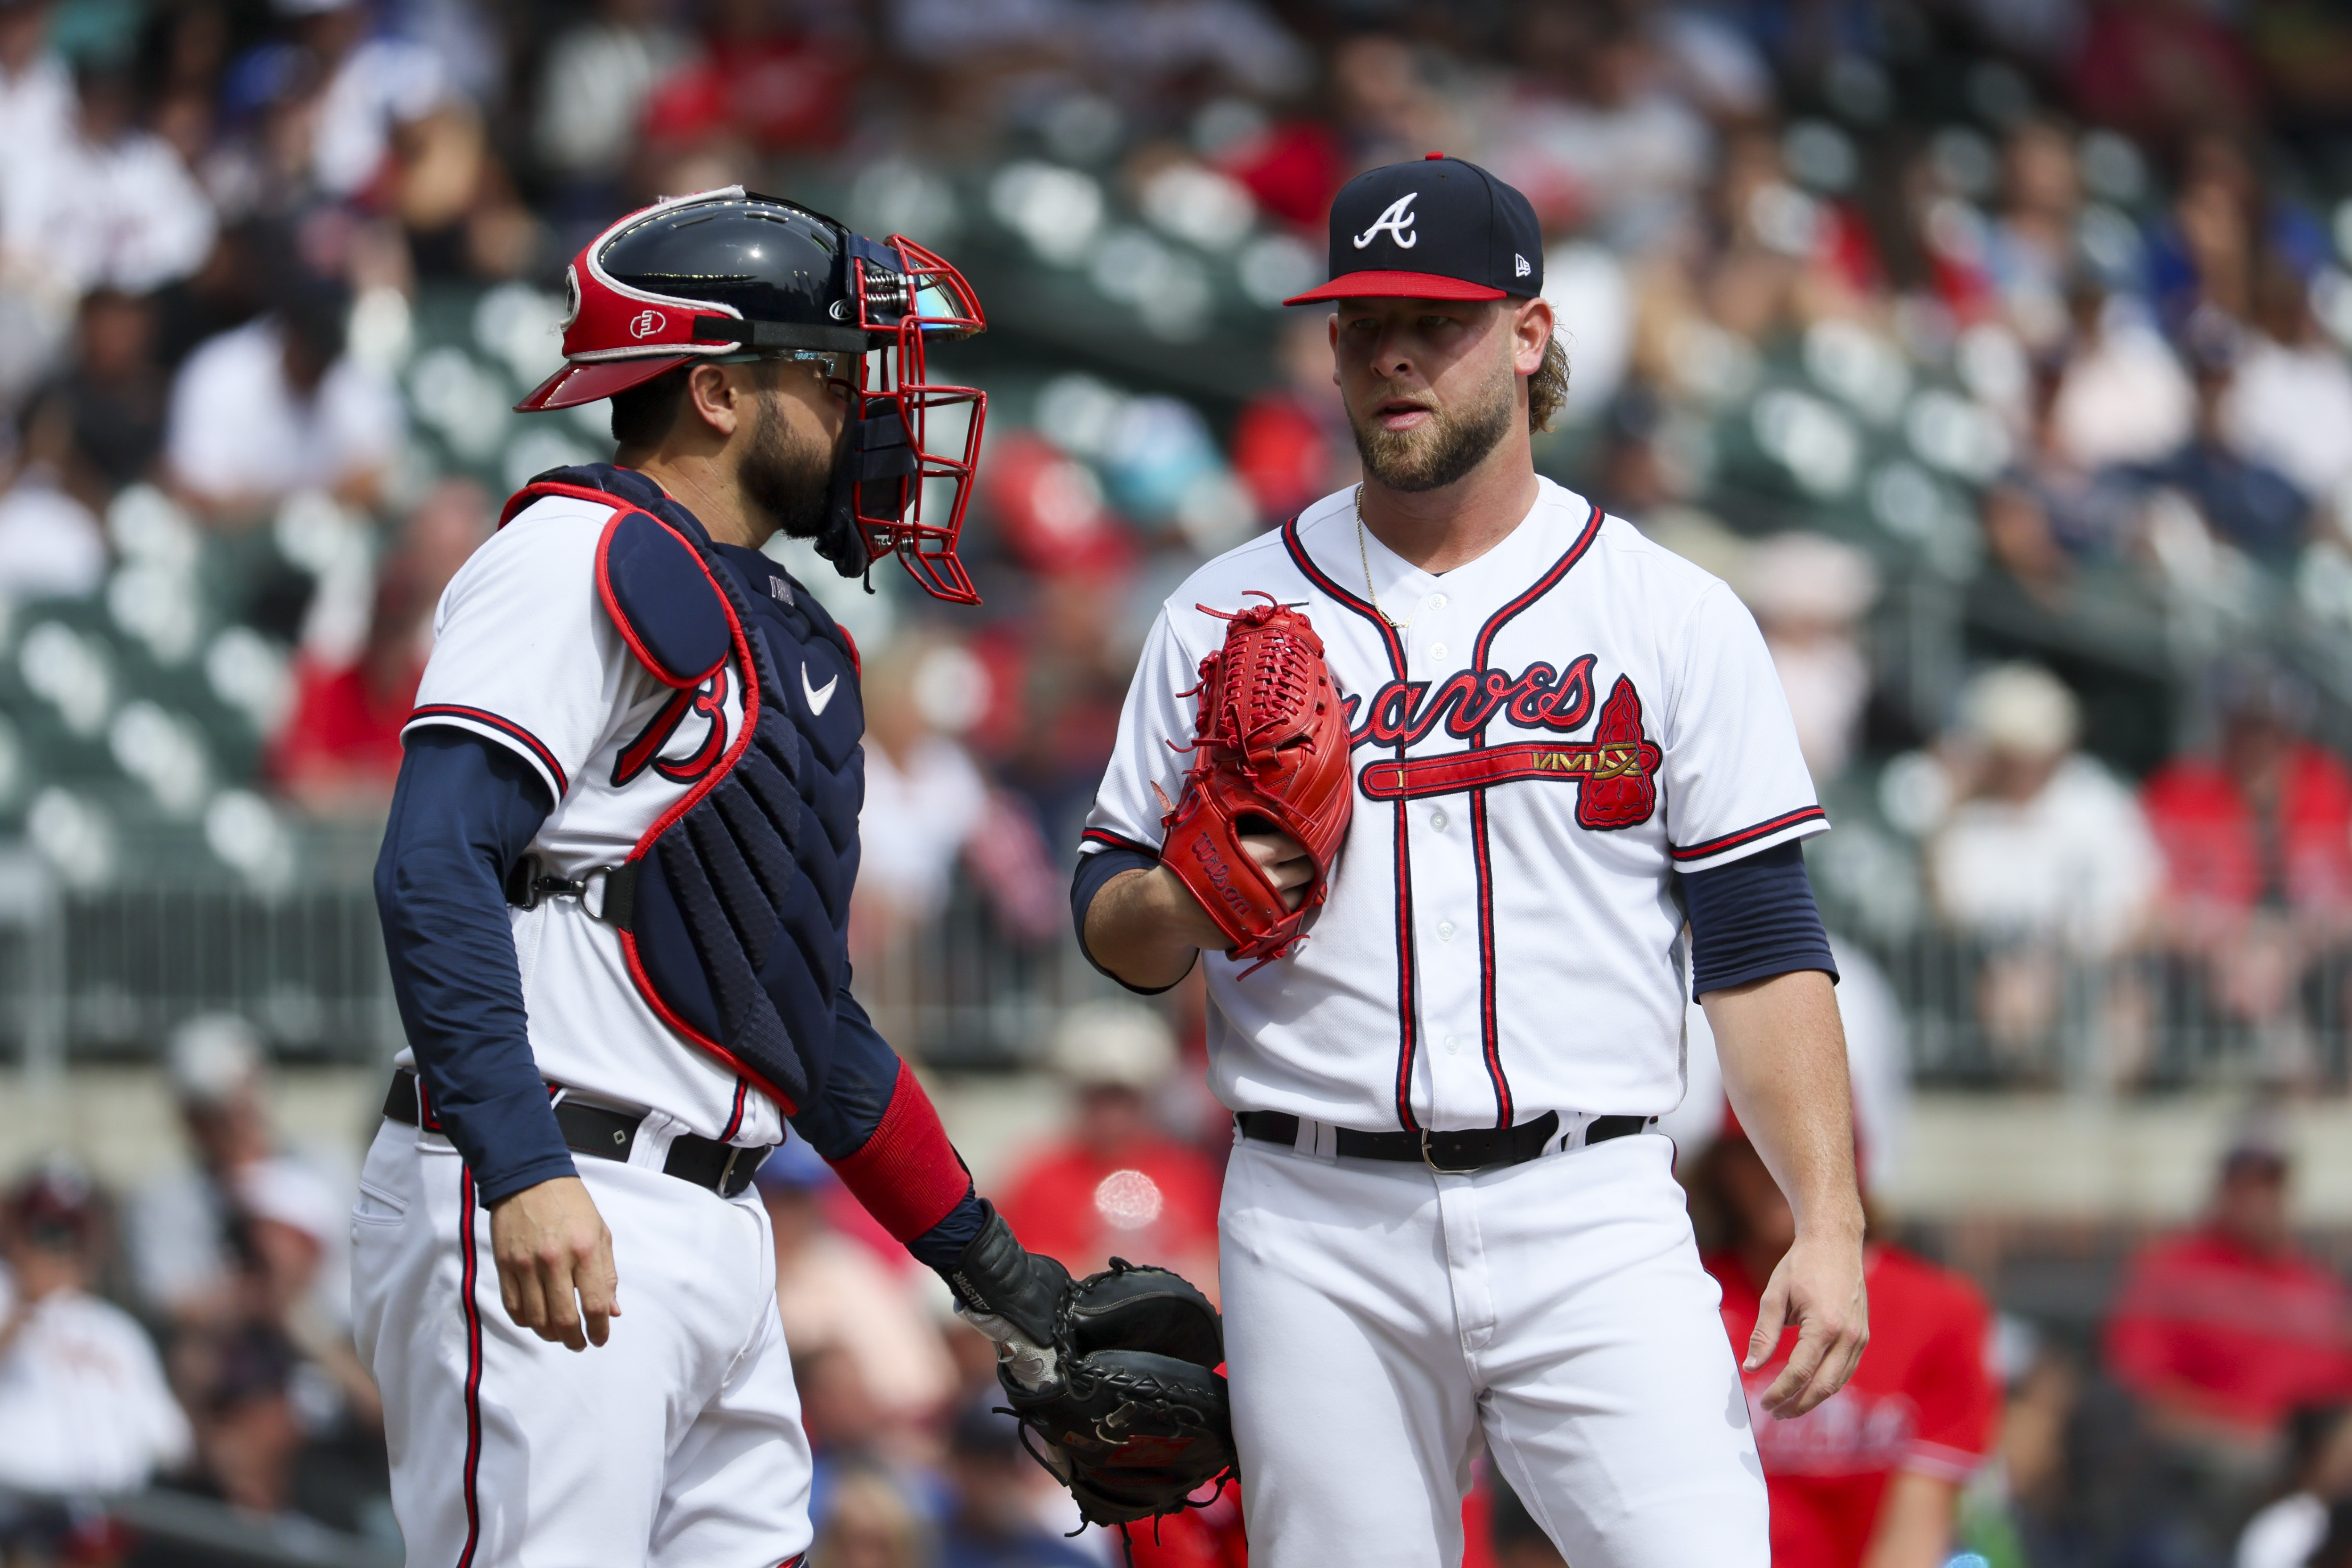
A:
x: 733, y: 908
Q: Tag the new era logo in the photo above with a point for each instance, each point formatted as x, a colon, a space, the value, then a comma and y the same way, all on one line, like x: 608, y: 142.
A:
x: 1524, y: 270
x: 646, y: 323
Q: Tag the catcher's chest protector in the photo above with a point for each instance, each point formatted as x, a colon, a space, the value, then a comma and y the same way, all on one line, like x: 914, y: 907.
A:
x: 733, y: 908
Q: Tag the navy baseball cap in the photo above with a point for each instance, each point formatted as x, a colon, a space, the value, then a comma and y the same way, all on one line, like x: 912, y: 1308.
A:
x: 1435, y: 229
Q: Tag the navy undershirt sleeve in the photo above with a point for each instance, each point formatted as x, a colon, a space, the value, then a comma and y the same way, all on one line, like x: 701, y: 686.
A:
x: 1753, y: 919
x: 1093, y: 870
x: 858, y: 1084
x: 463, y: 811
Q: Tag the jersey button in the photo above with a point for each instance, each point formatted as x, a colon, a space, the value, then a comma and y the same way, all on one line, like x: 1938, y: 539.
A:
x: 1435, y: 601
x: 1446, y: 931
x: 1437, y: 820
x: 1437, y: 650
x: 1452, y: 1044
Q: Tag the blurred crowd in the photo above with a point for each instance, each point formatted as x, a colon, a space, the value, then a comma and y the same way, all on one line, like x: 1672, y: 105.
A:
x: 1995, y: 351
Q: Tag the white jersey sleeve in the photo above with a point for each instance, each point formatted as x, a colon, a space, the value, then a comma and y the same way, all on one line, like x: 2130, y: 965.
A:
x: 523, y: 652
x: 1734, y: 779
x: 1156, y: 720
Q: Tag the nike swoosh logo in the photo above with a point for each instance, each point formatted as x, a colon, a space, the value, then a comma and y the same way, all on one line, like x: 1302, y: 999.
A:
x: 818, y: 698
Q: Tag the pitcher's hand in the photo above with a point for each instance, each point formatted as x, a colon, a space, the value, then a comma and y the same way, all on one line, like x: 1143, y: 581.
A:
x: 1818, y: 1283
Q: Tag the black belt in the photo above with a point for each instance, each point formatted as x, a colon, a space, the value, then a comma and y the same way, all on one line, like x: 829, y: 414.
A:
x: 1475, y: 1149
x: 723, y: 1168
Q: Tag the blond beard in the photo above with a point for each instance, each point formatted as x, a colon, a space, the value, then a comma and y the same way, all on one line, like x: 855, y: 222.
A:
x: 1437, y: 454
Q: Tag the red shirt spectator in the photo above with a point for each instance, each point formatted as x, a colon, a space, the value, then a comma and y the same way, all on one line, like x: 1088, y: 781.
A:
x: 2229, y: 1327
x: 2227, y: 848
x: 767, y: 86
x: 1134, y: 1193
x: 344, y: 734
x: 1117, y: 1186
x: 1922, y: 1402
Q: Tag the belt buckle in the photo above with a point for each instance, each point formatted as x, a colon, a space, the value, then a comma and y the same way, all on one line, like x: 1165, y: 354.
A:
x: 1431, y: 1160
x: 727, y: 1171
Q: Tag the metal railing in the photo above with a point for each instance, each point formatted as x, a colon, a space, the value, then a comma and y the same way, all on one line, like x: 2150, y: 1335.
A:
x: 104, y: 976
x: 88, y: 976
x: 2153, y: 1018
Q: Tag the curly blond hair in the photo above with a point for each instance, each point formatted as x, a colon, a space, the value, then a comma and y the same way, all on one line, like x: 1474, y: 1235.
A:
x: 1547, y: 388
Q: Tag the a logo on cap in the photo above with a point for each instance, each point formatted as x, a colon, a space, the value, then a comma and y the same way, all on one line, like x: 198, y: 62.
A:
x: 1397, y: 218
x: 646, y: 323
x: 1524, y: 268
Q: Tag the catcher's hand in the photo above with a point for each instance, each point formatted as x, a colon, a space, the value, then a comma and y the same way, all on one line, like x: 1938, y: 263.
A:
x: 1012, y: 1294
x: 1135, y: 1418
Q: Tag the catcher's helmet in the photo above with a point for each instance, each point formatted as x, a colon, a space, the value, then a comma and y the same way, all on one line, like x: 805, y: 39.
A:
x: 726, y: 272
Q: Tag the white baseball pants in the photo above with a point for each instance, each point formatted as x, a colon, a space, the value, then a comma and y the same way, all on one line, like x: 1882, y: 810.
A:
x: 677, y: 1442
x: 1380, y: 1318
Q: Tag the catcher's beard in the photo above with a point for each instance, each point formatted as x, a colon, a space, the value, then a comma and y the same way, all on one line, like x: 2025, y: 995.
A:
x: 1449, y: 445
x: 787, y: 474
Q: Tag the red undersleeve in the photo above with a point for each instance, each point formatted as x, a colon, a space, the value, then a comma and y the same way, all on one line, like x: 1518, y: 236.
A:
x: 907, y: 1175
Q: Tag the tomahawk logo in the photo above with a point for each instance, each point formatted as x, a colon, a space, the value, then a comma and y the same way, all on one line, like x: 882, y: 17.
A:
x: 646, y: 323
x: 1398, y: 220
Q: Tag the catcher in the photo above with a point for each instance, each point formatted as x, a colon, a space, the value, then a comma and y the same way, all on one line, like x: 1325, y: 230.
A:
x: 1463, y: 787
x: 614, y: 890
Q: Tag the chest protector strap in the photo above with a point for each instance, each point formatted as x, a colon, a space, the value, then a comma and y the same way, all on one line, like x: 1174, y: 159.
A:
x: 732, y: 909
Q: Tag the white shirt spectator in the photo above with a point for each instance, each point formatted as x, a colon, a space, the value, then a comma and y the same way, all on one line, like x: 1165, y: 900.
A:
x: 914, y: 823
x: 176, y: 1235
x: 37, y: 109
x: 2076, y: 862
x: 2284, y: 1534
x: 597, y: 78
x: 238, y: 429
x: 83, y: 1405
x: 125, y: 214
x: 1634, y: 165
x: 50, y: 545
x: 2124, y: 398
x: 1592, y: 301
x: 2291, y: 407
x: 384, y: 83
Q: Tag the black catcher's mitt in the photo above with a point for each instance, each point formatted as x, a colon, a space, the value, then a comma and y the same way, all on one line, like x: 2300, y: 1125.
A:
x: 1135, y: 1418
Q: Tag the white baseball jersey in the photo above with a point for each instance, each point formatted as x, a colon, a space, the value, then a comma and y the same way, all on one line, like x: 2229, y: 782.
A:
x: 525, y: 655
x: 1555, y: 728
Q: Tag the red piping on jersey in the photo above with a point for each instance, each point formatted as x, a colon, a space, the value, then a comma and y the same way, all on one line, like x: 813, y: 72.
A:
x: 735, y: 1122
x: 1408, y: 1019
x: 613, y: 604
x: 529, y: 493
x: 1746, y: 834
x: 468, y: 1280
x: 537, y: 747
x: 1105, y: 837
x: 1482, y: 858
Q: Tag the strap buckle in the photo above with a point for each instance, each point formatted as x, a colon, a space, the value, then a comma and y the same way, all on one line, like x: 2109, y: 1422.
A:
x: 527, y: 888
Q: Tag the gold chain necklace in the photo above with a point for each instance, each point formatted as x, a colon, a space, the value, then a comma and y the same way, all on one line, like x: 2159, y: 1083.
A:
x: 1365, y: 556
